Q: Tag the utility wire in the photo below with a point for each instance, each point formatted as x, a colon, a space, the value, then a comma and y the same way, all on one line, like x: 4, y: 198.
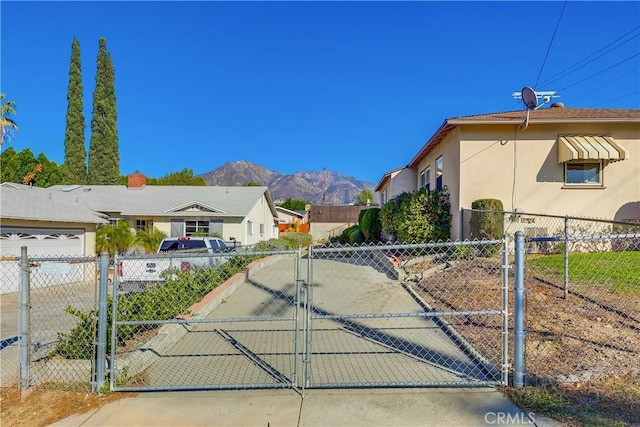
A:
x: 600, y: 72
x: 584, y: 95
x: 616, y: 99
x: 550, y: 43
x: 566, y: 71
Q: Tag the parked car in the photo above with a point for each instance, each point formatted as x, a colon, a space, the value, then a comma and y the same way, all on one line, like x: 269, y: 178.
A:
x: 135, y: 273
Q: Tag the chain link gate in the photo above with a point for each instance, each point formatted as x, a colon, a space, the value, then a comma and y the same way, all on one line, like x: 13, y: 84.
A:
x: 347, y: 317
x: 374, y: 323
x: 208, y: 328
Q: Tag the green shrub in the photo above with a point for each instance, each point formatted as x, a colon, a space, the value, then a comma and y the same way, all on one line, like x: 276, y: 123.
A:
x: 487, y: 225
x: 356, y: 237
x: 162, y: 302
x: 272, y: 245
x: 370, y: 224
x: 344, y: 237
x: 296, y: 240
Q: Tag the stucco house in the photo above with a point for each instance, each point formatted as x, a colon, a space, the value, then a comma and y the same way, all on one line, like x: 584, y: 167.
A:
x: 561, y: 161
x: 246, y: 215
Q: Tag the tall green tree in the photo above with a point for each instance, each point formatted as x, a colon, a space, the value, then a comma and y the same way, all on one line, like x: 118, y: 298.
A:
x: 7, y: 125
x: 75, y: 153
x: 366, y: 197
x: 15, y: 167
x: 294, y: 204
x: 184, y: 177
x: 104, y: 155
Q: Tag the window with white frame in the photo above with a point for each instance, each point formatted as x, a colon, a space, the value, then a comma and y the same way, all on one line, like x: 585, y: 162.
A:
x: 383, y: 197
x: 196, y: 227
x: 261, y: 229
x: 425, y: 177
x: 250, y: 228
x: 439, y: 165
x: 583, y: 172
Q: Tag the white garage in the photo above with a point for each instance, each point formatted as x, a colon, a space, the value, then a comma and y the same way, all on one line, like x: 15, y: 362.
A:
x: 42, y: 242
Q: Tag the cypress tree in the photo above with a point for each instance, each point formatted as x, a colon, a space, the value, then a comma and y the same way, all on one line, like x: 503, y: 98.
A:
x: 75, y: 153
x: 104, y: 158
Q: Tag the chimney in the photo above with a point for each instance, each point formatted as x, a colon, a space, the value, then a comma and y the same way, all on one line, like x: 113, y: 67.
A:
x: 136, y: 180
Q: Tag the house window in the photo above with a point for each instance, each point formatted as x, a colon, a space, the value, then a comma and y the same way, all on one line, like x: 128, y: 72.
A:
x: 383, y: 197
x: 439, y: 173
x: 143, y: 224
x: 262, y: 229
x: 196, y: 227
x: 250, y: 228
x: 425, y: 178
x: 585, y: 173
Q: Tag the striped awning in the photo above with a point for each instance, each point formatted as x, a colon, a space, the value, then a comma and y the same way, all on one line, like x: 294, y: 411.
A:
x: 589, y: 147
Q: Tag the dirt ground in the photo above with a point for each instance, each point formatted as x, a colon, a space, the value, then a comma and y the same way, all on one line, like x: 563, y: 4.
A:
x: 591, y: 351
x: 44, y: 407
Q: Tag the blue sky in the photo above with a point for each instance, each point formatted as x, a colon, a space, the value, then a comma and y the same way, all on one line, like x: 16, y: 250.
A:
x: 356, y: 87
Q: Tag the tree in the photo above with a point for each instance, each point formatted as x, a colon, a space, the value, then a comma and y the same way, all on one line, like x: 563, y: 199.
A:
x: 104, y: 157
x: 7, y: 125
x: 75, y: 153
x: 366, y: 197
x: 114, y: 238
x: 184, y: 177
x: 23, y: 167
x: 149, y: 239
x: 294, y: 204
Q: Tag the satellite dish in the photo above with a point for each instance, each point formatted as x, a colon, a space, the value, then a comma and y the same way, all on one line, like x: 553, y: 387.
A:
x: 529, y: 98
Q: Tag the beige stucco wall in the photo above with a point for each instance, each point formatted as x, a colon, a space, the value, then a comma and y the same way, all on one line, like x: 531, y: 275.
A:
x: 259, y: 214
x: 521, y: 168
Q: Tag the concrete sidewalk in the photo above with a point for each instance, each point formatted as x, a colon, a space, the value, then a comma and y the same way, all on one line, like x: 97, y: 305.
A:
x: 286, y: 408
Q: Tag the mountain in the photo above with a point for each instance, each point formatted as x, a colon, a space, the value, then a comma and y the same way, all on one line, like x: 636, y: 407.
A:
x: 340, y: 188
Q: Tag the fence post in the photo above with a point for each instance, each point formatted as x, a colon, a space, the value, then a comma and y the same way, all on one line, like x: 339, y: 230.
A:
x: 519, y: 312
x: 566, y: 257
x: 505, y: 310
x: 25, y: 340
x: 101, y: 349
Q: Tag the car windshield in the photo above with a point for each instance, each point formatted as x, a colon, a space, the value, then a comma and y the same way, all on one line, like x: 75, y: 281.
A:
x: 182, y: 245
x: 217, y: 244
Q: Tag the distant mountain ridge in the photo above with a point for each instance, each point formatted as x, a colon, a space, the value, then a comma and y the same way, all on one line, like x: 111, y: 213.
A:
x: 340, y: 188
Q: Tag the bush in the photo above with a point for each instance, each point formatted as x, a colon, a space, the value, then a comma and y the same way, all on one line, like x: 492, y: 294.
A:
x: 487, y: 225
x: 344, y: 237
x: 370, y: 224
x: 295, y: 240
x: 165, y: 301
x: 356, y: 237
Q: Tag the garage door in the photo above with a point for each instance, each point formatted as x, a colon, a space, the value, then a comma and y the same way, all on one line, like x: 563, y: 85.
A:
x: 40, y: 242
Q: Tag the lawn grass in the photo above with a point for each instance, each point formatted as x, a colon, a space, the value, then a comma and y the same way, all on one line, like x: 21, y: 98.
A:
x: 608, y: 402
x: 620, y: 270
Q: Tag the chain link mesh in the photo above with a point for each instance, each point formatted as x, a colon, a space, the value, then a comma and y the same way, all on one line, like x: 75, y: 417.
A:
x: 591, y: 303
x: 206, y: 324
x: 9, y: 299
x: 406, y: 315
x: 62, y: 321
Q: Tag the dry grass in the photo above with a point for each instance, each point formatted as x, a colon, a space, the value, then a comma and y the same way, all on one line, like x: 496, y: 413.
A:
x: 45, y: 406
x: 582, y: 357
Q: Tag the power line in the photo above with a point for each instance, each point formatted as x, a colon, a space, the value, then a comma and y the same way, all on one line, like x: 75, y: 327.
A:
x: 600, y: 72
x: 616, y: 99
x: 550, y: 43
x: 584, y: 95
x: 566, y: 71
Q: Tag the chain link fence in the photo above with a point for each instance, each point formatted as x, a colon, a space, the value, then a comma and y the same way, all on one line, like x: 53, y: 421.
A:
x: 184, y: 322
x: 43, y: 301
x: 408, y: 315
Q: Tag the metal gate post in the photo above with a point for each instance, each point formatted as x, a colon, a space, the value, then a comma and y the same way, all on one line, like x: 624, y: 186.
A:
x: 519, y: 312
x: 25, y: 341
x: 101, y: 348
x: 114, y: 317
x: 296, y: 345
x: 505, y: 311
x: 307, y: 325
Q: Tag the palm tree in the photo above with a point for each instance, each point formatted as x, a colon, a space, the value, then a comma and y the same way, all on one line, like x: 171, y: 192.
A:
x: 150, y: 239
x: 7, y: 125
x: 114, y: 238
